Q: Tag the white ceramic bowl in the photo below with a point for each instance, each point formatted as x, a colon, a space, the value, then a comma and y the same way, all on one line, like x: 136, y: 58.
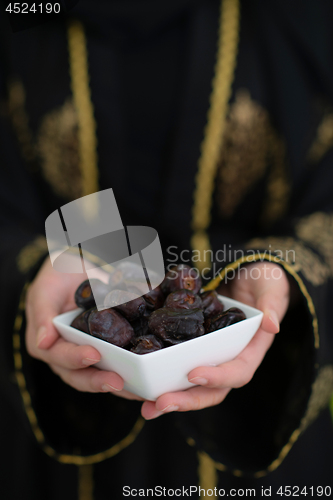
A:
x: 151, y: 375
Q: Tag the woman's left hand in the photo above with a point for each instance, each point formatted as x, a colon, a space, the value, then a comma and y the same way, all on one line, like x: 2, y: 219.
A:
x: 267, y: 289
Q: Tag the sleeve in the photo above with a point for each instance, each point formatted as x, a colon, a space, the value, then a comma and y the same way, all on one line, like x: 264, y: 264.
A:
x: 70, y: 426
x: 254, y: 429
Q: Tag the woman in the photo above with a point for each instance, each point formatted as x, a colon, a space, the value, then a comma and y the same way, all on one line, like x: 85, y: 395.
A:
x: 119, y: 97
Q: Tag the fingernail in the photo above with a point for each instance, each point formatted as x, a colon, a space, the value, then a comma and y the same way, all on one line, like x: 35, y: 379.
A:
x: 198, y: 381
x: 41, y: 334
x: 170, y: 408
x: 108, y: 388
x: 154, y: 415
x: 89, y: 361
x: 274, y: 319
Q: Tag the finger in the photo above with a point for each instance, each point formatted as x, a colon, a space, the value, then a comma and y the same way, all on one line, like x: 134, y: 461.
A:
x: 43, y: 338
x: 46, y: 335
x: 274, y: 304
x: 270, y: 321
x: 268, y: 291
x: 40, y: 331
x: 195, y: 398
x: 238, y: 372
x: 94, y: 380
x: 272, y: 297
x: 50, y: 294
x: 69, y: 356
x: 90, y: 379
x: 215, y: 382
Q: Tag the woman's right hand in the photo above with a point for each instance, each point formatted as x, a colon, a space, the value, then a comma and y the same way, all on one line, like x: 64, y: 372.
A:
x: 52, y: 293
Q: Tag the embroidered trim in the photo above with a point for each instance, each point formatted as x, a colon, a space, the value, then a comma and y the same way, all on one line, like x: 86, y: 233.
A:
x: 79, y: 73
x: 317, y: 230
x: 20, y: 120
x: 211, y: 286
x: 271, y: 258
x: 250, y: 145
x: 304, y: 259
x: 86, y: 482
x: 57, y: 145
x: 207, y: 474
x: 214, y: 130
x: 20, y: 378
x: 323, y: 141
x: 322, y: 391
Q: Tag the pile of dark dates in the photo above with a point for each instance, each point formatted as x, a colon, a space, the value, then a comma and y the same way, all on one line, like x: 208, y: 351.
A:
x: 169, y: 314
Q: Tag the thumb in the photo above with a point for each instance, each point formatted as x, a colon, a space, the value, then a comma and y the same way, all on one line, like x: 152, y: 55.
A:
x: 270, y: 321
x: 40, y: 311
x: 50, y: 294
x: 46, y: 299
x: 273, y: 300
x: 46, y: 336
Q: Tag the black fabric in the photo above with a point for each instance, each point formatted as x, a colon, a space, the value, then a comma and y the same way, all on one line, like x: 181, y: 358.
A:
x: 151, y: 65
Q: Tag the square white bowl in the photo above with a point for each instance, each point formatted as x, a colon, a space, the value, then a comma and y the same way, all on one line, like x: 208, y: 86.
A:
x: 153, y: 374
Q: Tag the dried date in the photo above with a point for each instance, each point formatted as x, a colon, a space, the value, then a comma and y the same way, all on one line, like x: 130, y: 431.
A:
x: 81, y: 321
x: 154, y: 298
x: 140, y: 325
x: 181, y: 277
x: 110, y: 326
x: 146, y: 344
x: 211, y: 303
x: 174, y: 327
x: 138, y: 321
x: 116, y: 280
x: 183, y: 299
x: 223, y: 319
x: 84, y: 296
x: 127, y: 303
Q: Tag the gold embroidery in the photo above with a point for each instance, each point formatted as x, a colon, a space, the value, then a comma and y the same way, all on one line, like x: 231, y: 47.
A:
x: 251, y: 145
x: 20, y: 120
x: 66, y: 142
x: 214, y: 284
x: 213, y: 134
x: 323, y: 141
x: 243, y: 157
x: 31, y: 253
x: 21, y: 382
x: 79, y: 73
x: 317, y: 230
x: 321, y: 397
x: 299, y: 257
x: 237, y: 473
x: 207, y: 474
x: 322, y: 388
x: 57, y: 144
x: 267, y: 256
x: 321, y: 393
